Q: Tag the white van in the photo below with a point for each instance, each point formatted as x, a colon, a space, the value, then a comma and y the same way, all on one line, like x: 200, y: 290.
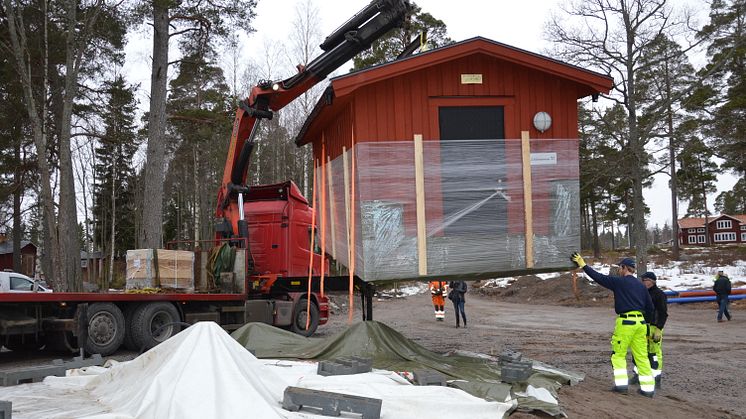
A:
x: 15, y: 282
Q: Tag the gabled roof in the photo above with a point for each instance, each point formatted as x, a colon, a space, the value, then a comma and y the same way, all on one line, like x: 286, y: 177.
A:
x: 342, y: 86
x: 7, y: 247
x: 695, y: 222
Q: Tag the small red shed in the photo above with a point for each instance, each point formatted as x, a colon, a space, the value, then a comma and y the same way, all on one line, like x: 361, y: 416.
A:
x: 28, y: 256
x: 464, y: 162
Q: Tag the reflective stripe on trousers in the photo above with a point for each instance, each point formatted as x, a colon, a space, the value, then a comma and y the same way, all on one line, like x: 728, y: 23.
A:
x: 631, y: 334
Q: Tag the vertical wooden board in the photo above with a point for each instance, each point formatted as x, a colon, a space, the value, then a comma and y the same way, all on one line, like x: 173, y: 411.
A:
x: 332, y: 207
x: 346, y: 180
x: 406, y: 116
x: 420, y: 198
x: 382, y: 101
x: 527, y: 199
x: 418, y: 90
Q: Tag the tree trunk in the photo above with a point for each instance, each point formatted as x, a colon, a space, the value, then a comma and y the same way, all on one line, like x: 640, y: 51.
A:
x: 594, y: 220
x: 197, y: 201
x: 17, y: 194
x: 151, y: 234
x: 19, y: 45
x: 113, y: 231
x: 673, y: 185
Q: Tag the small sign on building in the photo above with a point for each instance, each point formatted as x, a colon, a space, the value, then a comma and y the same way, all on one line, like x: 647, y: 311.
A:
x: 471, y: 79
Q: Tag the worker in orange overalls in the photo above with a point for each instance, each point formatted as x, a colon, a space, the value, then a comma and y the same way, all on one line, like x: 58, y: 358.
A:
x: 438, y: 289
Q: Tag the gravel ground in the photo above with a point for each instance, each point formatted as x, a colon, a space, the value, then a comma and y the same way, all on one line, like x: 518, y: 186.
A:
x: 704, y: 361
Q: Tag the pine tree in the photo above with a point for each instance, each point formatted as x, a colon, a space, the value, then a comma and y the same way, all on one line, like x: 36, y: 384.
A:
x: 697, y: 176
x: 389, y: 46
x: 114, y: 207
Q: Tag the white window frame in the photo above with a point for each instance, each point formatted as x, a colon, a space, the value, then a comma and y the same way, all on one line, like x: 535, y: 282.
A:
x: 701, y: 239
x: 692, y: 230
x: 701, y: 230
x: 692, y: 239
x: 724, y: 224
x: 743, y: 237
x: 743, y: 227
x: 725, y: 237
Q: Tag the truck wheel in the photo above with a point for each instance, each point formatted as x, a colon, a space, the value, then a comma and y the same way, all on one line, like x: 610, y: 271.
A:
x: 129, y: 314
x: 105, y: 329
x: 299, y: 318
x: 149, y: 318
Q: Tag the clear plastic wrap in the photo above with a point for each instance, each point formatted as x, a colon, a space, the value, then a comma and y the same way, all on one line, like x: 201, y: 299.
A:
x: 472, y: 203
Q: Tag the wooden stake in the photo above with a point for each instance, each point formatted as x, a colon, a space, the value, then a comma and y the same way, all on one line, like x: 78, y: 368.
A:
x: 419, y: 176
x: 313, y: 234
x: 528, y: 209
x: 323, y: 214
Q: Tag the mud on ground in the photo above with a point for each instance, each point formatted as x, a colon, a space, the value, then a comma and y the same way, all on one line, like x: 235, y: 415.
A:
x: 704, y: 361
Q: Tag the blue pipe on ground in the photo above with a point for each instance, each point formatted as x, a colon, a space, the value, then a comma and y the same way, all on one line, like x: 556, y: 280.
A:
x: 683, y: 300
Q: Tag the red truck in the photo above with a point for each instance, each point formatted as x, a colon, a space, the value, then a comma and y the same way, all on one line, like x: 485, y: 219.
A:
x: 273, y: 223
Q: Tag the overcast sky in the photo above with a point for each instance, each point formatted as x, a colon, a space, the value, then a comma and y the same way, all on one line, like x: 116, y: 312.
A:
x: 517, y: 23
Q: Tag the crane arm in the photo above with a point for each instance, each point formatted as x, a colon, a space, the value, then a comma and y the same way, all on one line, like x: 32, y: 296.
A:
x: 354, y: 36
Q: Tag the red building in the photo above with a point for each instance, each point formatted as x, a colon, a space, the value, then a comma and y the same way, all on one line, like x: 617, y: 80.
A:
x: 721, y: 229
x: 28, y: 256
x: 446, y: 143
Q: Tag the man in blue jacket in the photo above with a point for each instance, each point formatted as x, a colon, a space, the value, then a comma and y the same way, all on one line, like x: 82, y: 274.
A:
x: 631, y: 300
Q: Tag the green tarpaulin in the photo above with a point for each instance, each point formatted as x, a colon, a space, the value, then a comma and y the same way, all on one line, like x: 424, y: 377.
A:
x: 479, y: 376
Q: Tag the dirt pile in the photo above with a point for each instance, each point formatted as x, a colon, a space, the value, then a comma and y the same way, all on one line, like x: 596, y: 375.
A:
x: 556, y: 291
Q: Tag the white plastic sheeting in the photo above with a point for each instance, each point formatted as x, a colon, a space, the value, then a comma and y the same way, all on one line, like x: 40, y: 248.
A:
x: 204, y: 373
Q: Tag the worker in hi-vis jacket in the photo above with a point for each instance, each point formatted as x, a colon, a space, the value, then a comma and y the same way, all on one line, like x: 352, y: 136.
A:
x: 437, y: 290
x: 631, y: 300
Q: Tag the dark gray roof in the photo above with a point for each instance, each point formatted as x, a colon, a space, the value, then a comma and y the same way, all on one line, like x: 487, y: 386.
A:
x: 7, y: 247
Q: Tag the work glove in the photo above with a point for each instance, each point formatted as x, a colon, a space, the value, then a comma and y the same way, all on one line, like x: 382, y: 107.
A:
x: 656, y: 334
x: 577, y: 260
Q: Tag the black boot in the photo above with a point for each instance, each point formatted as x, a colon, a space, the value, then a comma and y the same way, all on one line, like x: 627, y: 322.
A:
x: 464, y: 322
x: 658, y: 382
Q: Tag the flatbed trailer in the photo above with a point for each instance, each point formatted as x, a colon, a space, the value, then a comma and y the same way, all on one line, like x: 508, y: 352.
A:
x: 104, y: 322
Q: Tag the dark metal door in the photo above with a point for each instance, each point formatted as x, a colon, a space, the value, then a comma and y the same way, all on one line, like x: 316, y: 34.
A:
x: 472, y: 154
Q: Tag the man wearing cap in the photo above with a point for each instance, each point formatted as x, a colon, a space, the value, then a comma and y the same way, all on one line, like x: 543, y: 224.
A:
x: 655, y: 337
x: 631, y: 300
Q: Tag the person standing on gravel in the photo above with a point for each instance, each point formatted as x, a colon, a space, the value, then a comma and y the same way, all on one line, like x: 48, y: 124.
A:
x: 722, y: 289
x: 655, y: 337
x: 437, y: 291
x: 457, y: 295
x: 631, y: 300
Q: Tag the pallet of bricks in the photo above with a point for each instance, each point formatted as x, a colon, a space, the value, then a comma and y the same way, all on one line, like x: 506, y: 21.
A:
x: 171, y: 270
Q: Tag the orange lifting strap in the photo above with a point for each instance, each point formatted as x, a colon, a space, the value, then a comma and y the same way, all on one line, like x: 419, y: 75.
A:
x: 310, y: 258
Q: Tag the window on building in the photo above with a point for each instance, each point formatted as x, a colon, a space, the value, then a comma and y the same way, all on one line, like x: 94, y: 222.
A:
x: 724, y: 224
x: 701, y: 230
x: 692, y: 239
x: 725, y: 237
x: 743, y: 226
x: 701, y: 238
x: 743, y: 237
x: 692, y: 230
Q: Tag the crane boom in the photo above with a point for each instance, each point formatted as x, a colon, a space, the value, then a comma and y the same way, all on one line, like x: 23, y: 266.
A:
x: 354, y: 36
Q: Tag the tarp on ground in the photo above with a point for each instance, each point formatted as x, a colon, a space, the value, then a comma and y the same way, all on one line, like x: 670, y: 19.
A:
x: 204, y: 373
x: 390, y: 350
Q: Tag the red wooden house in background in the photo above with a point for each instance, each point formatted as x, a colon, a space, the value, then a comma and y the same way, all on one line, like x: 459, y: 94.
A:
x: 721, y: 229
x: 467, y: 112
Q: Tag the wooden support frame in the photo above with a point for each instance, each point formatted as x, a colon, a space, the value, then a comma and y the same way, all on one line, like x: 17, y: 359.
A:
x: 528, y: 208
x: 419, y: 173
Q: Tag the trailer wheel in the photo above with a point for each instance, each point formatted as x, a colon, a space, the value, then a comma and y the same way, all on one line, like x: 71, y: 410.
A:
x: 105, y: 329
x: 300, y: 315
x: 147, y: 322
x: 129, y: 314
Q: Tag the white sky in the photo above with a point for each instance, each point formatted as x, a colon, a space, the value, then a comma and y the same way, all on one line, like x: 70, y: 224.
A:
x: 519, y: 24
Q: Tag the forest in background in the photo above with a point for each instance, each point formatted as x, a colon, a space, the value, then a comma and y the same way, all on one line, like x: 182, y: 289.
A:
x: 142, y: 180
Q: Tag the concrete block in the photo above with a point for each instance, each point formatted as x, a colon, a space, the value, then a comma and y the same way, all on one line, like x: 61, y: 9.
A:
x: 6, y: 409
x: 516, y: 372
x: 508, y: 356
x: 330, y: 404
x: 429, y: 378
x: 36, y: 373
x: 344, y: 366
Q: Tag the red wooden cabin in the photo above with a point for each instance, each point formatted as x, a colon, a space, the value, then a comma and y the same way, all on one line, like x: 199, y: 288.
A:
x: 472, y: 104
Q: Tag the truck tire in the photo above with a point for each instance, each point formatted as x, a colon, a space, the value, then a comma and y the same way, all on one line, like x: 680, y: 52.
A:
x: 129, y: 314
x: 148, y: 318
x: 299, y: 318
x: 105, y: 329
